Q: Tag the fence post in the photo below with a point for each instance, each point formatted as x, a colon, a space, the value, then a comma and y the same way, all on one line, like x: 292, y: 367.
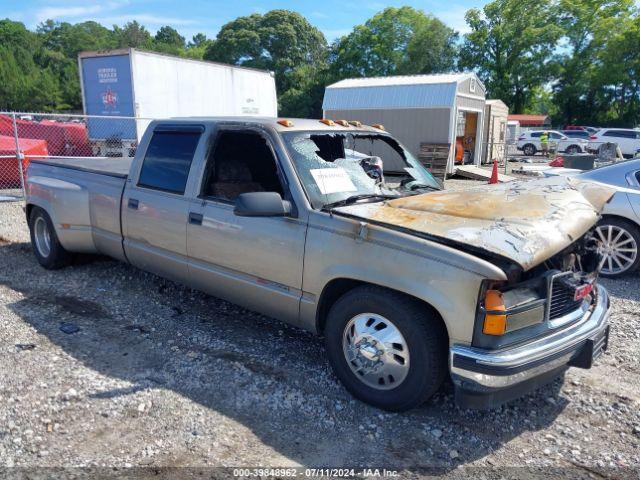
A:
x: 19, y: 155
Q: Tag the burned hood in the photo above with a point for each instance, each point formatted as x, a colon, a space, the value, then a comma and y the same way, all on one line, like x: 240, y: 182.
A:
x: 525, y: 222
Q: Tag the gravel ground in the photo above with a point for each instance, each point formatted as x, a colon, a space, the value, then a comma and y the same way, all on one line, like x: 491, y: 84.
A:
x: 159, y: 375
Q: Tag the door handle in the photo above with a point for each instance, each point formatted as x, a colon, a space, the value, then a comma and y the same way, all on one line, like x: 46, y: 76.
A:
x: 133, y: 204
x: 195, y: 218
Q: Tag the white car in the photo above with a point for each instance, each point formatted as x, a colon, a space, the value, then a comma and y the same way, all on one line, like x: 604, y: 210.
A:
x: 529, y: 142
x: 628, y: 140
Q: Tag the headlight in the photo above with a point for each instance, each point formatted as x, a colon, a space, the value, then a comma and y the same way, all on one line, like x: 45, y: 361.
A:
x: 512, y: 310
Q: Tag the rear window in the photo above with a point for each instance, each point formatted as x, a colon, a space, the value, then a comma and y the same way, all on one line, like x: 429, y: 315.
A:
x: 168, y: 160
x: 619, y: 134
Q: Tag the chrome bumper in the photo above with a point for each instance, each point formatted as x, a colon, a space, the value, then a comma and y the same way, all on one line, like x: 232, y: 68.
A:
x: 480, y: 375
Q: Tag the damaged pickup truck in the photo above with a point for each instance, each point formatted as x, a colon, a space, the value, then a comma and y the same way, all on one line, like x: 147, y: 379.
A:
x: 336, y: 228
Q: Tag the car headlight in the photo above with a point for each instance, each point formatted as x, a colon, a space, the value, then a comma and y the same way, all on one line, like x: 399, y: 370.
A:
x: 512, y: 310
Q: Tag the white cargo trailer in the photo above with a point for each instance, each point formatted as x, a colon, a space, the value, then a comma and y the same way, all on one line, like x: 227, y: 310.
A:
x: 135, y: 83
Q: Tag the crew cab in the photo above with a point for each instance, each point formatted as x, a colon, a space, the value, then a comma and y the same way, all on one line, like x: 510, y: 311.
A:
x: 336, y: 228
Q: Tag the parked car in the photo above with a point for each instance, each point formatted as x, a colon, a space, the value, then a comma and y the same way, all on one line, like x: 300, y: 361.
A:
x: 339, y: 230
x: 577, y: 134
x: 529, y: 142
x: 619, y: 229
x: 627, y: 139
x: 591, y: 130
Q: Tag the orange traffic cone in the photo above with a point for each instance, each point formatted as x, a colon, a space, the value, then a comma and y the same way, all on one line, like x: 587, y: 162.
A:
x: 494, y: 173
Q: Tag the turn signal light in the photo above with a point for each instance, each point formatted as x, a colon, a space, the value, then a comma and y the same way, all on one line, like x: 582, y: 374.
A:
x: 342, y: 123
x: 495, y: 320
x: 286, y: 123
x: 378, y: 126
x: 329, y: 123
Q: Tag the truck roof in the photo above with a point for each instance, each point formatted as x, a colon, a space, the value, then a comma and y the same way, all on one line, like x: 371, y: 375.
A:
x: 298, y: 124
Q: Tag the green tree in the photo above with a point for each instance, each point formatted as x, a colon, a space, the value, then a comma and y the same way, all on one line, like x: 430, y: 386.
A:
x: 168, y: 40
x: 510, y: 46
x: 617, y: 97
x: 281, y: 41
x: 133, y: 35
x: 586, y: 25
x: 198, y: 45
x: 396, y: 41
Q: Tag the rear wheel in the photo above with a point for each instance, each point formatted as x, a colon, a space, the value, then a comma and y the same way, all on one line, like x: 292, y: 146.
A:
x: 46, y: 246
x: 619, y: 245
x: 529, y: 149
x: 387, y: 349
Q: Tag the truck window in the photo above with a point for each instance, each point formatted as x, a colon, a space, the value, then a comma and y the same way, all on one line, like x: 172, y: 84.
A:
x: 240, y: 162
x: 168, y: 159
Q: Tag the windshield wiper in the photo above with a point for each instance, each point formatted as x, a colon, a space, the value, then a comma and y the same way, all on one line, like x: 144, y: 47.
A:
x: 356, y: 198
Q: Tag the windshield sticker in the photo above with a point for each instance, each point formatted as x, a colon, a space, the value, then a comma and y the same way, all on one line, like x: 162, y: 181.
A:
x: 332, y: 180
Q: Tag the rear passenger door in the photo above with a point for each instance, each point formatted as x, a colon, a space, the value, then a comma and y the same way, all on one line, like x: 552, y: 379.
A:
x: 154, y: 206
x: 624, y: 139
x: 252, y: 261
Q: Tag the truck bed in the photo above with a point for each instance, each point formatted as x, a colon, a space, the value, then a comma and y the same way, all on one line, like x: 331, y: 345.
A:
x: 114, y: 167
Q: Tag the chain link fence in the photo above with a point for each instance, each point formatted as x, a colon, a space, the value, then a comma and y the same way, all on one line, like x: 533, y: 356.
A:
x: 29, y: 136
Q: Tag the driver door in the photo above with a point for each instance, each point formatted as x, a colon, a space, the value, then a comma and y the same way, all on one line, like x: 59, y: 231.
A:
x: 252, y: 261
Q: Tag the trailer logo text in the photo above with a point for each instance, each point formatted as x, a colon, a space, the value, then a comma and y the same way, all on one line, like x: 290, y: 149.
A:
x: 109, y: 99
x: 107, y: 75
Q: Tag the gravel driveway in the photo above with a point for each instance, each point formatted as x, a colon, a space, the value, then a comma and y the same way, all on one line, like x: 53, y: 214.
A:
x: 160, y: 375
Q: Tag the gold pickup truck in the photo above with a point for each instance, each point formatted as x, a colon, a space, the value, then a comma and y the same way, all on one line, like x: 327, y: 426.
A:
x: 338, y: 229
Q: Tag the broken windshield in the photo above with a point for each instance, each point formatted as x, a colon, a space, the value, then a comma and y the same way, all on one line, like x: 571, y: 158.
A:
x: 335, y: 166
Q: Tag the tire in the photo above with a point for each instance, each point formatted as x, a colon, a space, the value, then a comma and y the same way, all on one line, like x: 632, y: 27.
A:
x: 572, y: 149
x: 423, y: 338
x: 44, y: 241
x: 621, y: 239
x: 529, y: 150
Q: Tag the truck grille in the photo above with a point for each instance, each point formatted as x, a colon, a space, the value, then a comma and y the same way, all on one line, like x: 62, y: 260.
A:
x: 561, y: 298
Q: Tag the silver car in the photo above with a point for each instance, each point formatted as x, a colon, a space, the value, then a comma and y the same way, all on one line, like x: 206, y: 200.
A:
x: 619, y: 229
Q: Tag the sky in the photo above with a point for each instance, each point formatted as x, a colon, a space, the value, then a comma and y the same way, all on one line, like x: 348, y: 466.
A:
x: 333, y: 17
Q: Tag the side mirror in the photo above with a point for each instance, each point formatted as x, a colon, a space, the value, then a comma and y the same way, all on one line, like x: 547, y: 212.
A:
x: 261, y: 204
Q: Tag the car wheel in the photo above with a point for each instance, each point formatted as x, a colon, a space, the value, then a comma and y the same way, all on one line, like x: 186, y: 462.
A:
x: 571, y: 149
x: 387, y: 349
x: 44, y: 241
x: 619, y: 244
x: 529, y: 150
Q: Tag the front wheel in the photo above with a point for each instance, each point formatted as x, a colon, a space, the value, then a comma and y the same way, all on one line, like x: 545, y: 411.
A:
x: 387, y: 349
x: 572, y: 149
x: 44, y: 241
x: 619, y: 244
x: 529, y: 150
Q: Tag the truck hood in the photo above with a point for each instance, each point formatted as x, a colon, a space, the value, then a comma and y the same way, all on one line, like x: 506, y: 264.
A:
x: 525, y: 222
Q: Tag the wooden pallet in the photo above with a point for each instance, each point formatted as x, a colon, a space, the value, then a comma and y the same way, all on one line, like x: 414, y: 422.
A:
x: 434, y: 157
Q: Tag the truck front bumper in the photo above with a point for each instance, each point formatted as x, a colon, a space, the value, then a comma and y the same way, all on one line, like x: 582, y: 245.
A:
x: 486, y: 379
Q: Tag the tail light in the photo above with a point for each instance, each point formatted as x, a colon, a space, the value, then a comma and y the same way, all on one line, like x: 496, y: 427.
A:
x: 592, y: 137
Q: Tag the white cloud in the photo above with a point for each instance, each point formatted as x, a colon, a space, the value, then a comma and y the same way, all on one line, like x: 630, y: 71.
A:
x: 55, y: 13
x: 332, y: 34
x: 147, y: 19
x: 108, y: 13
x: 325, y: 15
x: 64, y: 12
x: 454, y: 18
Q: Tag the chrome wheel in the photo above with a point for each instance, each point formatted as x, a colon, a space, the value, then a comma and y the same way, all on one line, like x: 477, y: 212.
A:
x: 618, y: 248
x: 42, y: 237
x: 376, y: 351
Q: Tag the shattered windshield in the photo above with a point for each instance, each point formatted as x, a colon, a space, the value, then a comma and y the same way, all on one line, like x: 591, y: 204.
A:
x: 335, y: 166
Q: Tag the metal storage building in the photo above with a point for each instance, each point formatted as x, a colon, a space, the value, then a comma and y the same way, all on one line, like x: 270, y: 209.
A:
x: 417, y: 109
x: 495, y: 131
